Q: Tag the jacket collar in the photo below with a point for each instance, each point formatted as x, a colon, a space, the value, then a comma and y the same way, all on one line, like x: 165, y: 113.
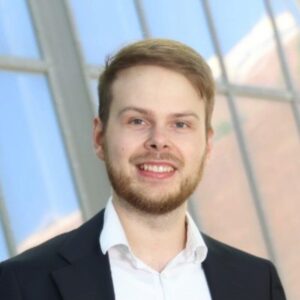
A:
x: 223, y: 274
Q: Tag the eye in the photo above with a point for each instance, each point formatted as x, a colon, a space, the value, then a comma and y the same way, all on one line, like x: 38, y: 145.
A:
x: 181, y: 124
x: 136, y: 121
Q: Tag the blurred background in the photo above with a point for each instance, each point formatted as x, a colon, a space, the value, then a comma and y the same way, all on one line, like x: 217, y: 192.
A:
x: 51, y: 54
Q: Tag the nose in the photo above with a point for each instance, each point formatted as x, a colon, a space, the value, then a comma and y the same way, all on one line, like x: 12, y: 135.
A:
x: 157, y: 140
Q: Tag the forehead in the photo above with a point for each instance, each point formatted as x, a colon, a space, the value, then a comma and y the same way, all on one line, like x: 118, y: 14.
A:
x: 154, y: 87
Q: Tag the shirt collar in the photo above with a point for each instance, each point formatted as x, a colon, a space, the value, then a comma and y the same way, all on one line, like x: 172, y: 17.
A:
x: 113, y: 235
x: 195, y: 248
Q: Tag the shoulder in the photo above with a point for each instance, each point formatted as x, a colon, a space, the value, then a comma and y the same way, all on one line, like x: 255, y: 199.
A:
x: 231, y: 254
x: 30, y: 270
x: 41, y: 255
x: 240, y: 263
x: 251, y: 276
x: 49, y: 253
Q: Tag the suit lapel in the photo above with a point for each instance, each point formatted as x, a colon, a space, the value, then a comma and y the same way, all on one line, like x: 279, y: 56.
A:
x: 87, y: 275
x: 221, y: 274
x: 88, y: 278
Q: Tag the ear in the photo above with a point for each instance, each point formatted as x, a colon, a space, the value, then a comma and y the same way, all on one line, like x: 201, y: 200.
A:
x: 209, y: 142
x: 98, y: 138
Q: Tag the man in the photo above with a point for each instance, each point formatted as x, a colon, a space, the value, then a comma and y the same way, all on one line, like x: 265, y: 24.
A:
x: 154, y: 134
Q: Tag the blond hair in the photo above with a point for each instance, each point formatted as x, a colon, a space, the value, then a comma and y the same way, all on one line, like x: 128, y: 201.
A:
x: 169, y: 54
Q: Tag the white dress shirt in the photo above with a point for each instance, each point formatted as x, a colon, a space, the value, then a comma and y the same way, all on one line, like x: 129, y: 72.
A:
x: 182, y: 278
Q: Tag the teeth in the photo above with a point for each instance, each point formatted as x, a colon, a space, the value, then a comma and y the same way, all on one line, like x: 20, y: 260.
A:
x: 157, y: 169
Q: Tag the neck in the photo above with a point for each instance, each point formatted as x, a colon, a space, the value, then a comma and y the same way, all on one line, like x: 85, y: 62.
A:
x: 155, y: 239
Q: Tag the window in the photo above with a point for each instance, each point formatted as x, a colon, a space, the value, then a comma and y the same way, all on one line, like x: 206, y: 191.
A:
x: 17, y: 38
x: 49, y: 64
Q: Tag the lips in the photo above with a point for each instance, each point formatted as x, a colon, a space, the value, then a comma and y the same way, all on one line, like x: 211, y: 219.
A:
x: 156, y: 168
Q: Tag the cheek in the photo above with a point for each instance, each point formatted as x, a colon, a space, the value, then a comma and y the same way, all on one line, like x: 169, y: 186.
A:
x: 195, y: 153
x: 122, y: 147
x: 191, y: 145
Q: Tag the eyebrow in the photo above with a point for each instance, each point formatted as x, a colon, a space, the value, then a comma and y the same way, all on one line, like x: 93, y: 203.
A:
x: 186, y: 114
x: 150, y: 113
x: 136, y: 109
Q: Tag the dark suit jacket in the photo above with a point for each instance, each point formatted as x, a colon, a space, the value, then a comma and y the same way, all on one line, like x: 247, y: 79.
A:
x: 72, y: 267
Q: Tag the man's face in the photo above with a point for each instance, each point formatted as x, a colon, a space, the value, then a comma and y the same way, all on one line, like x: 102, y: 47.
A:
x: 155, y: 143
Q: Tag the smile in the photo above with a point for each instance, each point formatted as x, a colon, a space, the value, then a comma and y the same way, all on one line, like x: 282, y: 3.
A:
x: 156, y: 168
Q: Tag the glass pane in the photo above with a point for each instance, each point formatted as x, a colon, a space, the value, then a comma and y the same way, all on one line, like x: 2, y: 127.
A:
x: 247, y: 42
x: 3, y: 248
x: 180, y: 20
x: 274, y: 144
x: 223, y: 200
x: 105, y: 26
x: 94, y: 93
x: 288, y: 20
x: 37, y: 185
x: 17, y: 37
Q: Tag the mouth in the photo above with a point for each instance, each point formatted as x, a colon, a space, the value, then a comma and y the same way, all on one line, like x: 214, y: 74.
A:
x: 156, y: 170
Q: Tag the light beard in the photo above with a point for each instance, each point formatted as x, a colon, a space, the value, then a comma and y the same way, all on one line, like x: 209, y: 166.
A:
x: 132, y: 192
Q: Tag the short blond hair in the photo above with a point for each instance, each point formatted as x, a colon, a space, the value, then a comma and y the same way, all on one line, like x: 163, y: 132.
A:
x: 166, y: 53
